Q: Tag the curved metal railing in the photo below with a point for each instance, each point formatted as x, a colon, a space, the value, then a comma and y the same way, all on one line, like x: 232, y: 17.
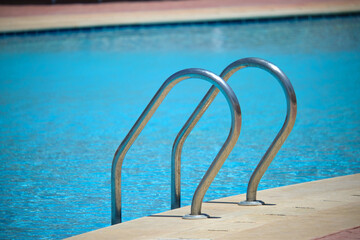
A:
x: 217, y: 163
x: 205, y: 103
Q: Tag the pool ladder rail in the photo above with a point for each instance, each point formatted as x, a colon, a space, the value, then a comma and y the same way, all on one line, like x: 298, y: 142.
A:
x: 271, y: 152
x: 215, y: 166
x: 219, y: 83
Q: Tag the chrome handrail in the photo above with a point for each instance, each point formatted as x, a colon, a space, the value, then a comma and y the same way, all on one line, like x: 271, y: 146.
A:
x: 205, y: 103
x: 145, y: 117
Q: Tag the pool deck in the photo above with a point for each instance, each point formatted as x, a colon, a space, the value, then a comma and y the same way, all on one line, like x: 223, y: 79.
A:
x: 18, y: 18
x: 327, y: 209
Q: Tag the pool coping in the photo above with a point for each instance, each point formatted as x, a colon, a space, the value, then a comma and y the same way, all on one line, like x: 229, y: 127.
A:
x: 44, y: 21
x: 302, y: 211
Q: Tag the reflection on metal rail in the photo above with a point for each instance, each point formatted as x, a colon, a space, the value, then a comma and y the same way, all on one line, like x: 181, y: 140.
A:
x: 217, y: 163
x: 205, y: 103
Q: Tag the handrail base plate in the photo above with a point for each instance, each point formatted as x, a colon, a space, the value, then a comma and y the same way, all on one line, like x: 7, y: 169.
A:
x: 195, y: 217
x: 251, y: 203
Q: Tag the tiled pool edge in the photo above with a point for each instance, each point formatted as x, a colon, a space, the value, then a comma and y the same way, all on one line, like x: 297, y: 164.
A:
x: 159, y: 25
x: 156, y: 17
x: 301, y: 211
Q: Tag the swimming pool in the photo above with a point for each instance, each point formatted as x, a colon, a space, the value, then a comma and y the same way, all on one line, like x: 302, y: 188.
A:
x: 68, y: 99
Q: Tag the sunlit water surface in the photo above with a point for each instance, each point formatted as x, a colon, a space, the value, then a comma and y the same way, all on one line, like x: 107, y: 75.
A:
x: 68, y: 99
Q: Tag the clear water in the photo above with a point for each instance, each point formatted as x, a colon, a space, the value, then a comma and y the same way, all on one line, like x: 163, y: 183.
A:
x: 68, y: 99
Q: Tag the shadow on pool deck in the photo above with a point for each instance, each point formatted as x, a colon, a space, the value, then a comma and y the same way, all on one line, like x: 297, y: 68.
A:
x: 15, y: 18
x: 318, y: 209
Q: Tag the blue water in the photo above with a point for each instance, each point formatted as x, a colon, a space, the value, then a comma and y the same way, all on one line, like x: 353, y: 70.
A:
x: 68, y: 99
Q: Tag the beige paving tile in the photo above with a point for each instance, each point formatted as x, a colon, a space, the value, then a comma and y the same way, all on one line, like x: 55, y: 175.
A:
x: 301, y: 211
x: 25, y: 18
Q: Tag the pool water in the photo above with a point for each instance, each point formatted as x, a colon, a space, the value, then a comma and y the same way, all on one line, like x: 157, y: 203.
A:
x: 68, y: 99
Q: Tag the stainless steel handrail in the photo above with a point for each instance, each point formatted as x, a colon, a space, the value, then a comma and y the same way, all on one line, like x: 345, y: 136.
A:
x: 205, y: 103
x: 145, y: 117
